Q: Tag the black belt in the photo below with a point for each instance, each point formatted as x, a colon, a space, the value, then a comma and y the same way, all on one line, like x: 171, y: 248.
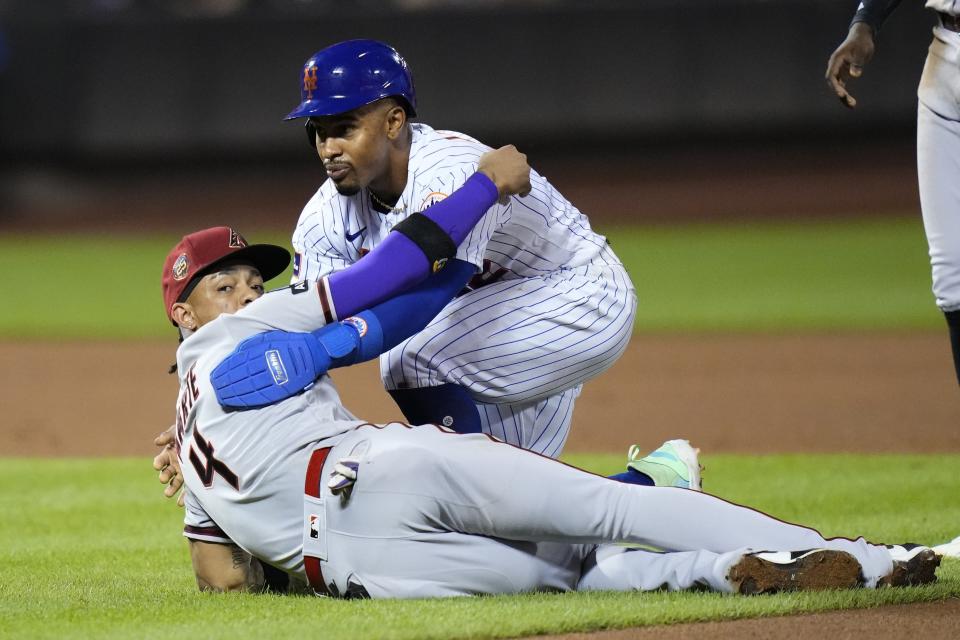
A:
x: 949, y: 22
x: 311, y: 487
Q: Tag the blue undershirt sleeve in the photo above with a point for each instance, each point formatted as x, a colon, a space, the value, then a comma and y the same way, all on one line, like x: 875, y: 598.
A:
x: 874, y: 12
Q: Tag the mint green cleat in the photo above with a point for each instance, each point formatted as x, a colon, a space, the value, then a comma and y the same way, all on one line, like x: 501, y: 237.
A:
x: 674, y: 464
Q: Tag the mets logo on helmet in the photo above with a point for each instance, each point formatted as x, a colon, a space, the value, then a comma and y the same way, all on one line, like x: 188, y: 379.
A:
x: 180, y: 267
x: 310, y: 81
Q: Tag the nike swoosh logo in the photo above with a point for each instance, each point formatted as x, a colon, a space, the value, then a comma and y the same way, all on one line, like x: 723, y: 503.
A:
x: 353, y: 236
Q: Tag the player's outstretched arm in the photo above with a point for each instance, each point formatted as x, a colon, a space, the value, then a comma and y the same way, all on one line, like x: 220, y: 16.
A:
x: 418, y: 246
x: 423, y: 242
x: 275, y: 365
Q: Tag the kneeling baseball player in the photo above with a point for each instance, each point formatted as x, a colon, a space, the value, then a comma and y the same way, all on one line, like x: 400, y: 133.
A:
x: 394, y: 511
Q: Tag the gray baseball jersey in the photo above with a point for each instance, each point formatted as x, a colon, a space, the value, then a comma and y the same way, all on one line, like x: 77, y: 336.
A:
x: 552, y: 305
x: 231, y: 459
x: 434, y: 513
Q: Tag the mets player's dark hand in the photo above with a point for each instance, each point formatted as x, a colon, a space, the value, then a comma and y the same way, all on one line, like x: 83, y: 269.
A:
x: 507, y: 168
x: 848, y: 61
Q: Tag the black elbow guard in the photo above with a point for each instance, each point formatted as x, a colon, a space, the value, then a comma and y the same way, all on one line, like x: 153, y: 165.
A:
x: 430, y: 237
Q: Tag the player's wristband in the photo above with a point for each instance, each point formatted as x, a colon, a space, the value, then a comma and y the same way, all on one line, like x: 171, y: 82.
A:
x: 355, y: 339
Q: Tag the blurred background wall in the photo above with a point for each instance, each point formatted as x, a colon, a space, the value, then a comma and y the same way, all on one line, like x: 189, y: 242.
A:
x: 100, y: 95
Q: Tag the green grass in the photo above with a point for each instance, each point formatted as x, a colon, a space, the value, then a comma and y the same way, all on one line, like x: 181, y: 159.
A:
x: 88, y: 286
x: 778, y: 277
x: 88, y: 548
x: 758, y: 277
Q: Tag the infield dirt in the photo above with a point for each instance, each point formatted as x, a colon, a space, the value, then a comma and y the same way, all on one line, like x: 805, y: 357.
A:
x: 933, y: 620
x: 767, y: 394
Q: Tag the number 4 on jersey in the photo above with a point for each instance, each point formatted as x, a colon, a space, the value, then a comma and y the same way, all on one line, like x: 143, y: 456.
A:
x: 206, y: 471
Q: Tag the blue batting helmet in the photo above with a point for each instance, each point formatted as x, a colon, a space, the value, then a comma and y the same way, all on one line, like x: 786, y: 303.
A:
x: 351, y: 74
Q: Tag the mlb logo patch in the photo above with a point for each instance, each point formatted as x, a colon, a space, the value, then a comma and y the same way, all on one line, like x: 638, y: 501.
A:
x: 314, y: 526
x: 275, y: 365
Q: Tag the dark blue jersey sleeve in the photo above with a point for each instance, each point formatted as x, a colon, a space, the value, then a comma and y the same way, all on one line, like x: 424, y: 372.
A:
x: 874, y: 12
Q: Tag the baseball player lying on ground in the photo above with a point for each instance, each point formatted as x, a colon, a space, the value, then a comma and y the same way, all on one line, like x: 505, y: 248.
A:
x: 362, y: 510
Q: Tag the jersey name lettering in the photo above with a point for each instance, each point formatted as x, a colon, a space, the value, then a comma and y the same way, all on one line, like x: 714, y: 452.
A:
x: 188, y: 397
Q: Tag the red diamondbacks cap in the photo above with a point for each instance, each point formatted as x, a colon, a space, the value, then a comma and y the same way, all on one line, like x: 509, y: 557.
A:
x: 197, y: 253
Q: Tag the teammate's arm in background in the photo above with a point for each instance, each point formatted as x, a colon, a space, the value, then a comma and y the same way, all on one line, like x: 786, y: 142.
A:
x: 857, y: 49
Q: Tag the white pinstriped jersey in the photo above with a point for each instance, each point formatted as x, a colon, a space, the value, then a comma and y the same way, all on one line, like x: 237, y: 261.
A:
x: 556, y: 306
x: 244, y: 470
x: 527, y: 237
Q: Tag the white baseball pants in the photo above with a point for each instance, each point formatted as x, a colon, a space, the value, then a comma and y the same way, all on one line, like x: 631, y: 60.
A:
x: 938, y: 163
x: 434, y: 513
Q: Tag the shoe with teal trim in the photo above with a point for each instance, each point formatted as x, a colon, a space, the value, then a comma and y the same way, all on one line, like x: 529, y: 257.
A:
x: 674, y: 464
